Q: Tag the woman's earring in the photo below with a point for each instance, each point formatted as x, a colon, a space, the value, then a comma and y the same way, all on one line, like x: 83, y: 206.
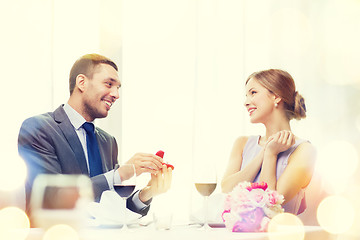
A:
x: 276, y: 105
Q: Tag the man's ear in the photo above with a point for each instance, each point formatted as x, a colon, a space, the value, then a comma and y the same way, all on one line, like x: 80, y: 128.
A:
x: 80, y: 82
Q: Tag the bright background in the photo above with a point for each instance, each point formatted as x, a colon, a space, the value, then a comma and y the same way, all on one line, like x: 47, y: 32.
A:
x: 183, y: 64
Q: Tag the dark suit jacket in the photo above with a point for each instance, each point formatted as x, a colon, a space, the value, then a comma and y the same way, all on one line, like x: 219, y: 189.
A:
x: 49, y: 144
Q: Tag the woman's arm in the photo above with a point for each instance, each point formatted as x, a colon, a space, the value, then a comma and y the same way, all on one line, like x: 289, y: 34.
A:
x: 277, y: 143
x: 233, y: 174
x: 299, y: 170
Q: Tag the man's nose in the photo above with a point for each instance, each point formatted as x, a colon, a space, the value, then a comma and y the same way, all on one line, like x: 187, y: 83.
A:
x: 115, y: 93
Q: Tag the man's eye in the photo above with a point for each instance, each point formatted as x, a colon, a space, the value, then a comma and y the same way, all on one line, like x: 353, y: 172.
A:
x: 109, y: 84
x: 253, y: 92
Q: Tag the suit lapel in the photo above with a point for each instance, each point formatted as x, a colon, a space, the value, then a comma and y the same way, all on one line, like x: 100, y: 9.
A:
x: 68, y: 130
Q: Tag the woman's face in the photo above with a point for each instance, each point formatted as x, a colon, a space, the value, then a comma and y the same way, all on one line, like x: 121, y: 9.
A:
x: 259, y: 102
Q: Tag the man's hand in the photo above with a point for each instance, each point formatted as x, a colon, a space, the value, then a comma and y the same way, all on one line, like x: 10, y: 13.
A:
x: 159, y: 183
x: 146, y: 162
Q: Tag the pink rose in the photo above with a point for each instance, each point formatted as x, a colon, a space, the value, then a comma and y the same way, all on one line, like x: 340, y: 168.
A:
x: 262, y: 185
x: 272, y: 198
x: 258, y: 198
x: 250, y: 206
x: 227, y: 204
x: 224, y: 213
x: 275, y: 198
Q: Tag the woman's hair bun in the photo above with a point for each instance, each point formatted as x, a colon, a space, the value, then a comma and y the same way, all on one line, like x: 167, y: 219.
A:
x: 299, y: 107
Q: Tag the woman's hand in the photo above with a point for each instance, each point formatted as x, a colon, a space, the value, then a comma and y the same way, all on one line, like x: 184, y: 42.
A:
x: 158, y: 184
x: 279, y: 142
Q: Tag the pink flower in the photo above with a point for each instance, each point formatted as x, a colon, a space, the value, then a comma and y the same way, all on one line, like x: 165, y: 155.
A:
x: 224, y: 213
x: 258, y: 197
x: 250, y: 206
x: 262, y: 185
x: 275, y: 198
x: 241, y: 196
x: 228, y: 202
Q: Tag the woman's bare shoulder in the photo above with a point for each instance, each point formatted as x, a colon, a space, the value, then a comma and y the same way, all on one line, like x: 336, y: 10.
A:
x: 241, y: 141
x: 305, y: 151
x: 306, y: 147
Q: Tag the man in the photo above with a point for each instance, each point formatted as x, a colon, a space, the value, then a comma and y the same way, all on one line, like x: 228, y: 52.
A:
x: 58, y: 142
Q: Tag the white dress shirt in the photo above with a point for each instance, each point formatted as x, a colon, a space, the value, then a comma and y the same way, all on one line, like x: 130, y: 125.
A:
x: 112, y: 176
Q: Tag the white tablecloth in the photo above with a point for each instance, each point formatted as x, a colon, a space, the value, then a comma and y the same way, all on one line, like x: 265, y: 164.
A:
x: 178, y: 233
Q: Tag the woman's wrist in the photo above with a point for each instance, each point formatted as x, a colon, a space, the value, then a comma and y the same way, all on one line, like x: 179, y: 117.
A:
x: 268, y: 153
x: 145, y: 194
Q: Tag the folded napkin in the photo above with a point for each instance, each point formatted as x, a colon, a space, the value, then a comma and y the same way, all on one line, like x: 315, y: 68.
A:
x: 110, y: 210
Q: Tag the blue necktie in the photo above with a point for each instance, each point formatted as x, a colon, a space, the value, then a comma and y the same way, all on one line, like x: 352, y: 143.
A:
x: 94, y: 158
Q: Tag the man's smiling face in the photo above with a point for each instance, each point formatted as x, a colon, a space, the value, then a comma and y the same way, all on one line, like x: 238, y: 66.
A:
x: 100, y: 92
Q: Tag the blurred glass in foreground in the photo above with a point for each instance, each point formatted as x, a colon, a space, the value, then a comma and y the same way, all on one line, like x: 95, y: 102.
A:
x: 60, y: 199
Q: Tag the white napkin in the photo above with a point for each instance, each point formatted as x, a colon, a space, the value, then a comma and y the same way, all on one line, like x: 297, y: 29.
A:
x: 110, y: 210
x: 214, y: 211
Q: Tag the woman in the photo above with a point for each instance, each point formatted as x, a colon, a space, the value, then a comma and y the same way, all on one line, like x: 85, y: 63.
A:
x: 279, y: 158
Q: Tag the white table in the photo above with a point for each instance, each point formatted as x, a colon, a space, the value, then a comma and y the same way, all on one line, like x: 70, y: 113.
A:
x: 179, y: 233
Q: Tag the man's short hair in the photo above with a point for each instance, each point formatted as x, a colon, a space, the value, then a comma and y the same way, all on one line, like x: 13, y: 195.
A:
x: 86, y: 65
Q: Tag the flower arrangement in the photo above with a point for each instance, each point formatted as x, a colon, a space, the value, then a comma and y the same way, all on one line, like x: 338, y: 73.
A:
x: 250, y: 206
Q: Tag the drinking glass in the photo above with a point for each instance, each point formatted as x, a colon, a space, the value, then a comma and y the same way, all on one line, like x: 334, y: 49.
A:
x: 205, y: 180
x: 60, y: 199
x: 126, y: 187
